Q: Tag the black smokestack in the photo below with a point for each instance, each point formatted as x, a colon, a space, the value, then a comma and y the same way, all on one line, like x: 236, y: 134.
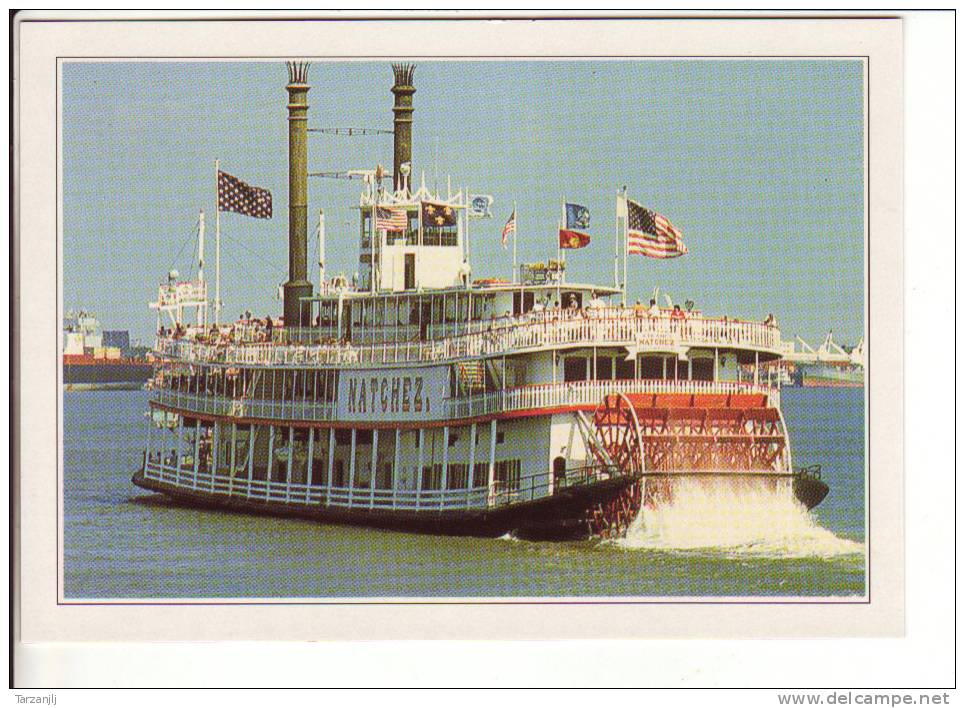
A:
x: 403, y: 90
x: 297, y: 287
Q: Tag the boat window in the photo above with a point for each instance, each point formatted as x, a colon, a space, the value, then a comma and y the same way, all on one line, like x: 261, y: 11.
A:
x: 507, y: 476
x: 320, y: 458
x: 626, y: 370
x: 523, y: 302
x: 366, y: 228
x: 338, y: 473
x: 432, y: 476
x: 703, y: 369
x: 391, y: 312
x: 651, y: 367
x: 574, y: 368
x: 604, y: 368
x: 457, y: 476
x: 480, y: 474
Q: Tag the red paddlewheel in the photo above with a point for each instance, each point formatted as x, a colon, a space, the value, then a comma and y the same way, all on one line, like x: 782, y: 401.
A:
x: 618, y: 432
x: 612, y: 518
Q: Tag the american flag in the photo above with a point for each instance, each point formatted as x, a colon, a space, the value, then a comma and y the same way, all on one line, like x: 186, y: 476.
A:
x: 235, y: 195
x: 650, y: 234
x: 509, y: 228
x: 391, y: 219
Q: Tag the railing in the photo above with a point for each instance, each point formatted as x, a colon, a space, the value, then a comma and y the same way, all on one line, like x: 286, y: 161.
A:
x: 425, y: 500
x: 613, y: 326
x: 522, y: 398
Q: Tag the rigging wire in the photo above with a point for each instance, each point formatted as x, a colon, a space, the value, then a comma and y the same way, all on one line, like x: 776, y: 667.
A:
x: 197, y: 227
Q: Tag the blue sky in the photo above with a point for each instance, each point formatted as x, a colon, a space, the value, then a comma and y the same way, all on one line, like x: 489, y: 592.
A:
x: 759, y: 163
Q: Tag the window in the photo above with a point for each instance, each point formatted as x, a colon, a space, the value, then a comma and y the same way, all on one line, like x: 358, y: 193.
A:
x: 604, y: 368
x: 480, y: 474
x: 457, y: 476
x: 651, y: 367
x: 432, y: 476
x: 574, y: 368
x: 625, y: 369
x: 500, y: 437
x: 507, y: 476
x: 703, y: 369
x: 338, y: 474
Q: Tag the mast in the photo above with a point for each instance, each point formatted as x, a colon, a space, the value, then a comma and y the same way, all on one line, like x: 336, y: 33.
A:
x: 321, y: 249
x: 200, y: 270
x: 217, y: 245
x: 626, y: 248
x: 515, y: 231
x: 201, y: 246
x: 465, y: 245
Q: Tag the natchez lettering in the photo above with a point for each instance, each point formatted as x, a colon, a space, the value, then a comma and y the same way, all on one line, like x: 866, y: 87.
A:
x: 388, y: 394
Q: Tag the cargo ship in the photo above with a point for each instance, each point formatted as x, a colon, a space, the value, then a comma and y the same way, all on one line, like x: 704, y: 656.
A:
x: 93, y: 360
x: 416, y: 396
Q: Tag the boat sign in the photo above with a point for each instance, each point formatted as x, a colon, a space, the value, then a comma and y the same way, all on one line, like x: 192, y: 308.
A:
x: 403, y: 394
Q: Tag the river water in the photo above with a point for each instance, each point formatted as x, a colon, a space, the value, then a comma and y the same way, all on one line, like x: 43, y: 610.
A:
x: 121, y: 542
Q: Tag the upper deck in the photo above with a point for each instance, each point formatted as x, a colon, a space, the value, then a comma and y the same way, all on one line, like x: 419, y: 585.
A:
x: 248, y: 344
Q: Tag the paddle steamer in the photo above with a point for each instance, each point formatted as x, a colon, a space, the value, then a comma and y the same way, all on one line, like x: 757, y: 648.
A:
x: 416, y: 396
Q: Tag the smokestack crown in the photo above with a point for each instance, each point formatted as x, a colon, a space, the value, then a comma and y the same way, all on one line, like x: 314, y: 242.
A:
x: 297, y: 72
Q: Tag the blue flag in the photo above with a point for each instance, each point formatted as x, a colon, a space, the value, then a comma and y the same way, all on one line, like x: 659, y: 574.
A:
x: 577, y: 217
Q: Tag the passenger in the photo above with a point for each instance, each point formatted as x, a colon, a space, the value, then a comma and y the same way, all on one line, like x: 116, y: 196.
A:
x: 573, y: 304
x: 639, y: 310
x: 654, y: 310
x: 677, y: 317
x: 769, y: 321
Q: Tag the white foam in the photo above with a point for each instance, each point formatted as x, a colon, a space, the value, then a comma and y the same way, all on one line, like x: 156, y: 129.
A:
x: 745, y: 519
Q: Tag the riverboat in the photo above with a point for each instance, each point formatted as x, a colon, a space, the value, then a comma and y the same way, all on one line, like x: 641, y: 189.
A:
x: 415, y: 396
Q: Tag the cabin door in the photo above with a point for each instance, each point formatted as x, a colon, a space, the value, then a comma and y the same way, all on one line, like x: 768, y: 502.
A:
x: 410, y: 271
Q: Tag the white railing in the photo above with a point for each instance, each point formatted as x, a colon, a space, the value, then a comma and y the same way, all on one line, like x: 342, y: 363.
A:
x: 612, y: 326
x: 426, y: 500
x: 522, y: 398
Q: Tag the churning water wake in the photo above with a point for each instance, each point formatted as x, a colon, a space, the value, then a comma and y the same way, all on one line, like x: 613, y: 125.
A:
x: 744, y: 520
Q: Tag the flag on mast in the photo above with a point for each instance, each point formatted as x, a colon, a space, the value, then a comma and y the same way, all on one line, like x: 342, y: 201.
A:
x: 240, y: 197
x: 651, y: 234
x: 575, y: 235
x: 510, y: 227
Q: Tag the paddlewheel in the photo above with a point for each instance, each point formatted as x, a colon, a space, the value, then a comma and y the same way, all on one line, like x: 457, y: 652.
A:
x: 736, y: 441
x: 618, y: 447
x: 618, y: 441
x: 612, y: 519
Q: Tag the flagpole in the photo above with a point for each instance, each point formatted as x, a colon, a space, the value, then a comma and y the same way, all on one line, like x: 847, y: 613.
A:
x: 217, y: 244
x: 515, y: 231
x: 321, y: 249
x: 626, y: 245
x: 465, y: 246
x: 201, y: 268
x: 616, y: 245
x: 372, y: 238
x: 560, y: 253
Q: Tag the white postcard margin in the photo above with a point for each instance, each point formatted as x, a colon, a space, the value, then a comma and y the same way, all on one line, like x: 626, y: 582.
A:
x: 41, y: 618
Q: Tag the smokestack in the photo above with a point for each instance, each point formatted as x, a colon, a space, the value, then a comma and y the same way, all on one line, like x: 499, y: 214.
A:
x: 403, y: 90
x: 297, y: 286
